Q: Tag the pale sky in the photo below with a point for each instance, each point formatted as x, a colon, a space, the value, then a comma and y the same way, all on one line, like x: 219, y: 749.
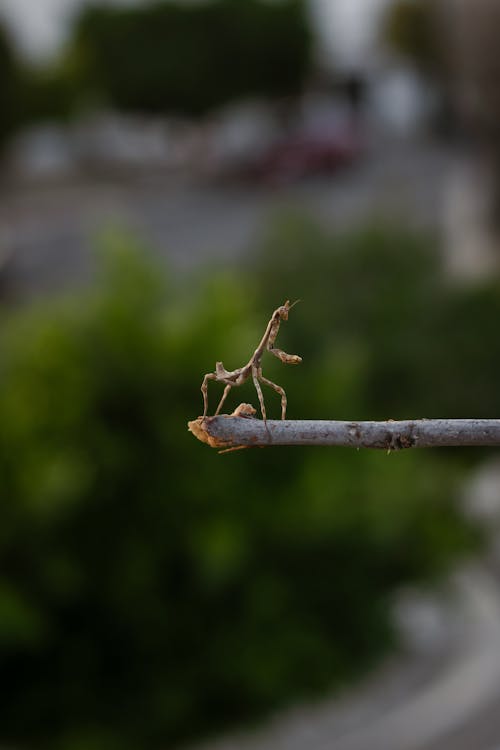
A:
x: 348, y: 28
x: 345, y: 27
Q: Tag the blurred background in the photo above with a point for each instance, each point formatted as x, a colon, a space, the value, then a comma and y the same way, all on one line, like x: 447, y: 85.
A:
x: 171, y: 172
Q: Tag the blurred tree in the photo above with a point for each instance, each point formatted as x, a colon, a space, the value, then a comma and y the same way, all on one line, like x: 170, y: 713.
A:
x: 9, y: 87
x: 172, y: 57
x: 410, y: 31
x: 151, y: 591
x: 46, y: 93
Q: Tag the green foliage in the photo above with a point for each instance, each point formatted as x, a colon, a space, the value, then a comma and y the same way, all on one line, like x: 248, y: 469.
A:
x: 46, y: 93
x: 410, y: 30
x: 152, y: 590
x: 187, y: 58
x: 9, y: 81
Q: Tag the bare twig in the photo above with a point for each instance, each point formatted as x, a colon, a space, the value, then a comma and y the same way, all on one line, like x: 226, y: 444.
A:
x: 228, y: 431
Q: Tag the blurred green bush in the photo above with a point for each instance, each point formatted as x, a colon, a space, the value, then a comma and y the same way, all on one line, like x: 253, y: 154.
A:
x: 152, y: 591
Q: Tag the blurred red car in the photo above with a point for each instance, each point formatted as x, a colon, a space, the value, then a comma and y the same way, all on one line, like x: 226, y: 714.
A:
x: 298, y: 156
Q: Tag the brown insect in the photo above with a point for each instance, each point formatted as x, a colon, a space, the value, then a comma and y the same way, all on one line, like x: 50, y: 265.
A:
x: 254, y: 367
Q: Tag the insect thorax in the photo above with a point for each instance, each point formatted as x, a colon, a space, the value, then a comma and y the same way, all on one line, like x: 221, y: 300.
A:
x: 221, y: 371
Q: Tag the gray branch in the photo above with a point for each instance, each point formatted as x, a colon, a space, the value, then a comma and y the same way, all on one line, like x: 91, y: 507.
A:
x: 231, y: 431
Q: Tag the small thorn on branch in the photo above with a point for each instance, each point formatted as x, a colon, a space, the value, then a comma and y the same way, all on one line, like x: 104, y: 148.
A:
x: 242, y: 429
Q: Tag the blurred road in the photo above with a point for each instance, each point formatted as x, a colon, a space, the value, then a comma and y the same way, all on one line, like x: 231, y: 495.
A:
x: 442, y: 693
x: 49, y: 228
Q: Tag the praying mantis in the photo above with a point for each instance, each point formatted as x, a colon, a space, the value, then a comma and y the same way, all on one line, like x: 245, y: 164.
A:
x: 254, y: 367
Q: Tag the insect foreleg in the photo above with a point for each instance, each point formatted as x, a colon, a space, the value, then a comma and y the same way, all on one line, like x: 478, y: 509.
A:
x: 288, y: 359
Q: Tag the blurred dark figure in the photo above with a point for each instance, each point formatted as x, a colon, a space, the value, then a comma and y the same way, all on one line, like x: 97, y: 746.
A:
x: 355, y: 89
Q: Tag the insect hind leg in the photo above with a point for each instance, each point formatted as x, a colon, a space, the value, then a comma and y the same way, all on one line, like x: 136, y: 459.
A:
x: 279, y: 390
x: 204, y: 390
x: 224, y: 395
x: 259, y: 394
